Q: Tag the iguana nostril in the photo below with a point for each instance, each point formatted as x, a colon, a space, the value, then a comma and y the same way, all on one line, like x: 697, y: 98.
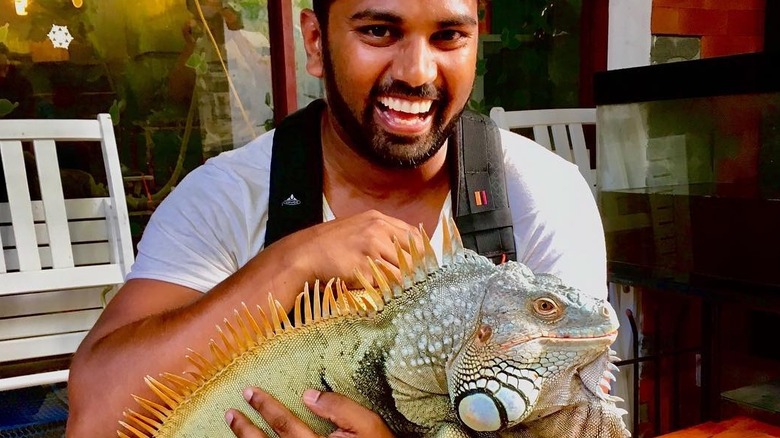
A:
x: 484, y: 333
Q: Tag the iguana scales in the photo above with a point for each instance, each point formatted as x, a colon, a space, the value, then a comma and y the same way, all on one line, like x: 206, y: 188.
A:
x: 461, y: 349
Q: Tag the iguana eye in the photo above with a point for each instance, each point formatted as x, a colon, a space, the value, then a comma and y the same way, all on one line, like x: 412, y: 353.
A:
x: 547, y: 308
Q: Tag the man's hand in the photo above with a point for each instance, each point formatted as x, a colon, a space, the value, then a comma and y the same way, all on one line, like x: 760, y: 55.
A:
x: 335, y: 248
x: 351, y: 419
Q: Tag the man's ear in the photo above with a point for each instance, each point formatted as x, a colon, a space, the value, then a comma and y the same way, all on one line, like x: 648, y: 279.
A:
x: 312, y: 42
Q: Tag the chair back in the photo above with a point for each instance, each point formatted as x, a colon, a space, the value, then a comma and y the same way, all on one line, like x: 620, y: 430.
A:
x: 59, y: 256
x: 559, y: 130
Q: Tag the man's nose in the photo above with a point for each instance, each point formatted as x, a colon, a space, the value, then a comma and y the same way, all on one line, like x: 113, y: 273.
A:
x: 416, y: 63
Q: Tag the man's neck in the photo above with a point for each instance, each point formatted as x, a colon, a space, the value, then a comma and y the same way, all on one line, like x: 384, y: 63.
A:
x: 353, y: 184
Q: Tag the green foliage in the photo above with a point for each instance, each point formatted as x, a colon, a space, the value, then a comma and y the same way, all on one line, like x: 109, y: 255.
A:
x: 197, y: 62
x: 536, y: 62
x: 4, y: 33
x: 7, y: 107
x: 116, y: 109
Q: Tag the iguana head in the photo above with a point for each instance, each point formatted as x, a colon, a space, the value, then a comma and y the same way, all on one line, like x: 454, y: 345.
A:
x: 533, y: 334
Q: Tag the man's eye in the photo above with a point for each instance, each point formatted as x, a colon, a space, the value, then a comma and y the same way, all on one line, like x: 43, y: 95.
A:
x: 448, y: 36
x: 377, y: 31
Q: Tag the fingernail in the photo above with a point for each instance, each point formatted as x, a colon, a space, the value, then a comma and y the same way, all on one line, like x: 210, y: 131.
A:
x: 310, y: 396
x: 248, y: 393
x: 229, y: 417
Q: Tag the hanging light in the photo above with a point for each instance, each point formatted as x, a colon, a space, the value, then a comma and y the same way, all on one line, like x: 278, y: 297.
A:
x: 21, y: 7
x: 77, y: 3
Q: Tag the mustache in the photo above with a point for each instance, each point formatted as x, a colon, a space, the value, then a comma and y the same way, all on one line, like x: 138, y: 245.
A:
x: 401, y: 88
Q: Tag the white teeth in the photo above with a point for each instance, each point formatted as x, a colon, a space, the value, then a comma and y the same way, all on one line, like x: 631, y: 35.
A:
x: 406, y: 106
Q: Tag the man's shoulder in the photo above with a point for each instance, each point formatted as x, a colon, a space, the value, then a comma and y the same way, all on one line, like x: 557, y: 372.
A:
x: 255, y: 154
x: 244, y: 170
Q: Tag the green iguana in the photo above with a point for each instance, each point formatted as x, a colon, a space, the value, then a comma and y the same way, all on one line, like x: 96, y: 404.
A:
x: 464, y: 349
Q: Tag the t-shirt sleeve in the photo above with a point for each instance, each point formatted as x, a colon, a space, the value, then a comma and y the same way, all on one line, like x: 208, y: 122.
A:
x: 190, y: 239
x: 556, y: 221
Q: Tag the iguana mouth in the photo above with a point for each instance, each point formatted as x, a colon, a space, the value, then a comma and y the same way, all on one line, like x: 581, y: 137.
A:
x: 507, y: 345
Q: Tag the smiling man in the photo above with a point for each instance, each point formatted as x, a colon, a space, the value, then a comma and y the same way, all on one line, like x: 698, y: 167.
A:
x: 398, y: 74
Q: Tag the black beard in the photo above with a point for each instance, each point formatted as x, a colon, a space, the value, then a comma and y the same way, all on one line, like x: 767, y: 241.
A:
x: 380, y: 147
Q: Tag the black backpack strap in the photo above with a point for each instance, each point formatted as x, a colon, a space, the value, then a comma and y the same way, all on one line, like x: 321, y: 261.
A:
x: 295, y: 200
x: 479, y: 199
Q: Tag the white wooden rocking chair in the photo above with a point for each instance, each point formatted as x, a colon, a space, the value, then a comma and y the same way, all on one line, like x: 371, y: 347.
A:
x: 59, y: 256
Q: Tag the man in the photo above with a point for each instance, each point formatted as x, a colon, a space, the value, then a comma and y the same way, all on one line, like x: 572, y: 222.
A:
x: 398, y: 73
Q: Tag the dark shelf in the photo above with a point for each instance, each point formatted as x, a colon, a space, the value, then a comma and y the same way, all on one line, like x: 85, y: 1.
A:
x: 737, y: 74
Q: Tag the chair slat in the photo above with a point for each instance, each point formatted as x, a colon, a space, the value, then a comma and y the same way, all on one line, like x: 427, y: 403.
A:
x: 34, y: 380
x: 45, y: 325
x: 119, y: 231
x: 581, y: 153
x: 542, y: 136
x: 3, y: 237
x: 54, y: 279
x: 50, y: 302
x: 83, y: 254
x: 55, y: 345
x: 52, y: 129
x: 82, y: 231
x: 19, y: 203
x: 562, y: 146
x: 54, y: 200
x: 75, y: 209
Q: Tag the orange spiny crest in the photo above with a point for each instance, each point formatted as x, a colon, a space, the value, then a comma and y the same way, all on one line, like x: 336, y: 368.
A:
x: 268, y: 330
x: 186, y: 387
x: 206, y: 368
x: 230, y: 349
x: 327, y: 298
x: 258, y: 333
x: 297, y: 312
x: 139, y: 421
x: 286, y: 324
x: 140, y: 417
x: 219, y: 356
x: 159, y: 411
x: 166, y: 394
x: 240, y: 343
x: 307, y: 310
x: 137, y: 433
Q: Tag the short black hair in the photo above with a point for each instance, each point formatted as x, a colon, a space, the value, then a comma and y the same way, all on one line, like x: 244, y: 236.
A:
x: 321, y: 8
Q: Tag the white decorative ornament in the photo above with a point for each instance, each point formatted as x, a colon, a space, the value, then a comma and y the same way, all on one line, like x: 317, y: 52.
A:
x: 60, y: 36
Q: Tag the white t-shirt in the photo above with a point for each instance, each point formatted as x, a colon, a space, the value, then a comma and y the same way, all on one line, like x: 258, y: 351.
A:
x: 214, y: 221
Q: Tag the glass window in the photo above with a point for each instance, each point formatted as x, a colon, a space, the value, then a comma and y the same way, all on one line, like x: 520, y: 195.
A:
x: 183, y: 79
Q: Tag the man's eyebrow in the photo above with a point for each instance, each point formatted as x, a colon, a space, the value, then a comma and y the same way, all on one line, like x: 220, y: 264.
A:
x: 377, y: 15
x: 393, y: 18
x: 458, y: 20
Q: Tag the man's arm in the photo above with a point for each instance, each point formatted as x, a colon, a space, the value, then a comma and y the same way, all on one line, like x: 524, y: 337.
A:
x: 147, y: 328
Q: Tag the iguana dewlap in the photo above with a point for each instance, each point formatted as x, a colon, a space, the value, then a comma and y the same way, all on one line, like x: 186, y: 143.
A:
x: 458, y: 350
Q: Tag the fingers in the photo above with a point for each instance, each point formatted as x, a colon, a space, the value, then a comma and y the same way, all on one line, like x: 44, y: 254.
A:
x: 351, y: 418
x: 278, y: 417
x: 241, y: 426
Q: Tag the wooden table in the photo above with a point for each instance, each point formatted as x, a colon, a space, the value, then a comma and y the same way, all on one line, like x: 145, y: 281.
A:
x: 737, y: 427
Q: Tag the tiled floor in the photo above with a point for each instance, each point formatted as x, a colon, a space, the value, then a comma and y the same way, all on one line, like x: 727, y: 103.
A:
x: 38, y: 412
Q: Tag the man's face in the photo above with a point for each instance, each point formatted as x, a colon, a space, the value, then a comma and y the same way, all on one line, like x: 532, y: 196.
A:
x: 398, y: 73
